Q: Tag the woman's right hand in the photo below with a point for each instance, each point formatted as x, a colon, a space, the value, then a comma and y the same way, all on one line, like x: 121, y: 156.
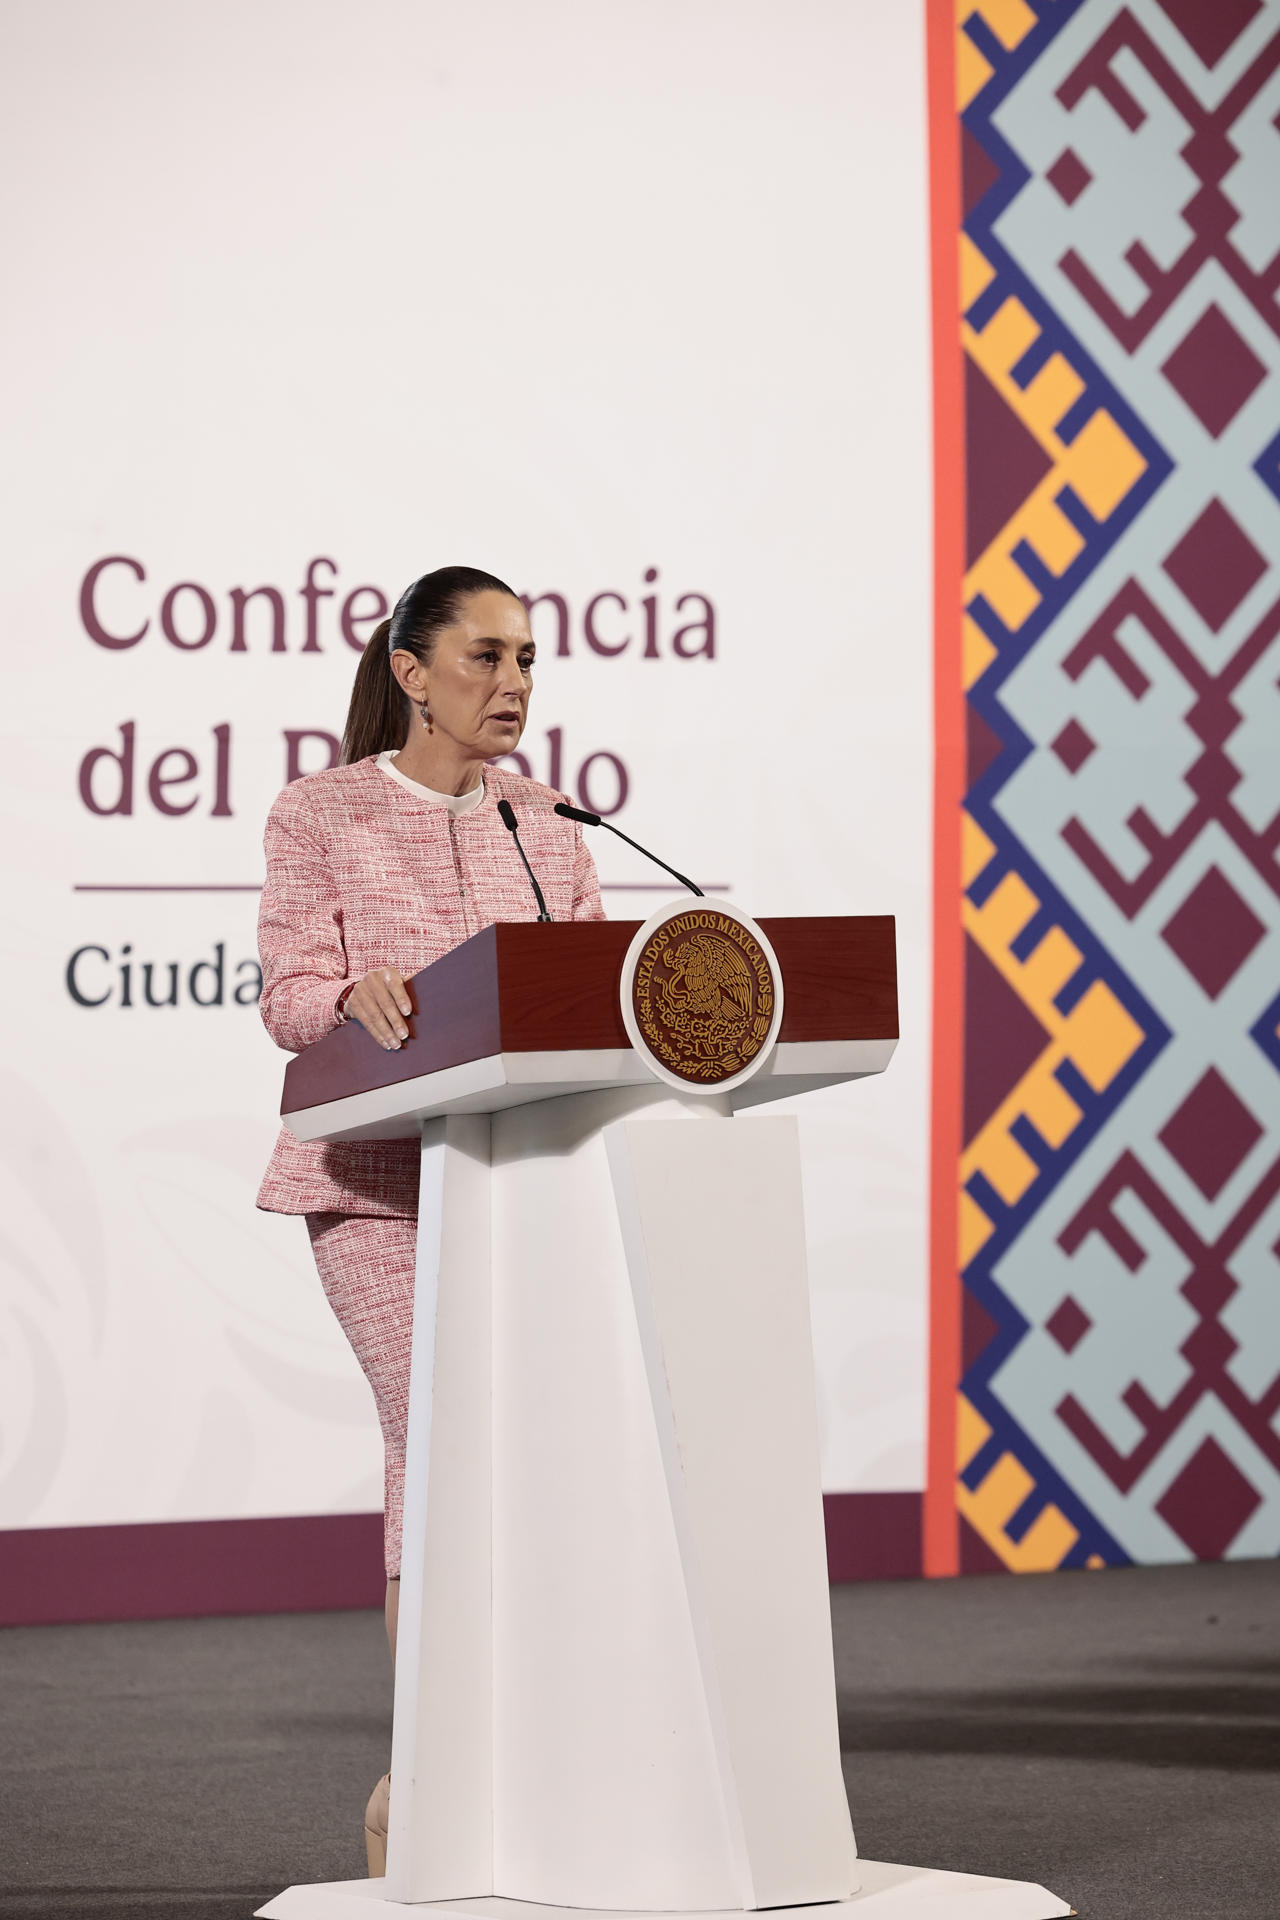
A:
x: 381, y: 1003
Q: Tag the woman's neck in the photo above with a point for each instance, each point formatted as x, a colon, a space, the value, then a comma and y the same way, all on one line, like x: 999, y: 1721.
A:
x: 438, y: 764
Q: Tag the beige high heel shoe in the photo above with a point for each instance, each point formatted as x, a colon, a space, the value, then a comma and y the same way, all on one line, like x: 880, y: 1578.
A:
x: 375, y: 1827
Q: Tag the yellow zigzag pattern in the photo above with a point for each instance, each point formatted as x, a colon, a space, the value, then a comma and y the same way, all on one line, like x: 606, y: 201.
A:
x: 1101, y: 464
x: 1098, y: 1036
x: 993, y: 1503
x: 1010, y: 21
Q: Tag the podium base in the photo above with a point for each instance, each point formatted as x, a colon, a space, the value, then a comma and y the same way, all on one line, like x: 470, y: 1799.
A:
x: 887, y: 1893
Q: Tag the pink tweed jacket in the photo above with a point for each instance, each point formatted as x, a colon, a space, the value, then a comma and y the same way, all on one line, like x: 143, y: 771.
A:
x: 361, y: 873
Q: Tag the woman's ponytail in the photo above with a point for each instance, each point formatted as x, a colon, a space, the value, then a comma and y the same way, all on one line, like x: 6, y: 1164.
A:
x: 376, y: 718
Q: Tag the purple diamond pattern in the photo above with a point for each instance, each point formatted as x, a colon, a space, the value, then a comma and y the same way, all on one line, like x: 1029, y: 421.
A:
x: 1068, y: 176
x: 1068, y: 1324
x: 1213, y: 932
x: 1213, y: 371
x: 1210, y: 1134
x: 1215, y: 564
x: 1073, y: 746
x: 1119, y: 1296
x: 1208, y: 1502
x: 1211, y: 26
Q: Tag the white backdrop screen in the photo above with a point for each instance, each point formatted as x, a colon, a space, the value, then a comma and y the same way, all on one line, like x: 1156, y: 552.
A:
x: 626, y: 304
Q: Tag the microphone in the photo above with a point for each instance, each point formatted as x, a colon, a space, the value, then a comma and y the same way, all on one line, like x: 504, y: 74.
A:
x: 507, y: 815
x: 594, y: 820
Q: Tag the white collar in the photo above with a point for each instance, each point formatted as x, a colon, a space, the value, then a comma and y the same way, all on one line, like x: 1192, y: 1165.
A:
x: 456, y: 802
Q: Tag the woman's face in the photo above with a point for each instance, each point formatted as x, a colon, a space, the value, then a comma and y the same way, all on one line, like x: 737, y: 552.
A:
x: 479, y: 677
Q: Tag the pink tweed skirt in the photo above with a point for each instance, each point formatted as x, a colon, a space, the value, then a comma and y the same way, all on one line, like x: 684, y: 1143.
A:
x: 366, y: 1267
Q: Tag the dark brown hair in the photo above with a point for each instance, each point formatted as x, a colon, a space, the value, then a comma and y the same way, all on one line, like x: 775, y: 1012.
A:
x: 378, y: 716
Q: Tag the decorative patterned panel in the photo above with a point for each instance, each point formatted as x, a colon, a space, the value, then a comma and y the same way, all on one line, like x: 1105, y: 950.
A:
x: 1119, y: 1180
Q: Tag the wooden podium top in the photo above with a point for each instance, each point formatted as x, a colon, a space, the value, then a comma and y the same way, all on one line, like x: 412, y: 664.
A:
x: 527, y: 1011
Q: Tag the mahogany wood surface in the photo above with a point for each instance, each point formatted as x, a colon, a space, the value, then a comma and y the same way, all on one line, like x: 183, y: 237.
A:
x: 455, y: 1019
x: 525, y: 987
x: 563, y: 992
x: 839, y: 975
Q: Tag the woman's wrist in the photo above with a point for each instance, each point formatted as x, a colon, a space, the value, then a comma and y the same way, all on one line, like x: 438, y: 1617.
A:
x: 340, y: 1004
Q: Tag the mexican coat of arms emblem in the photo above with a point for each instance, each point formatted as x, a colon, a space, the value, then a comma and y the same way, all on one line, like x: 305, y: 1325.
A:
x: 702, y: 995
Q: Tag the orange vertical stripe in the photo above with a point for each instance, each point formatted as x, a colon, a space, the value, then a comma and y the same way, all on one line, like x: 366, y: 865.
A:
x: 941, y: 1523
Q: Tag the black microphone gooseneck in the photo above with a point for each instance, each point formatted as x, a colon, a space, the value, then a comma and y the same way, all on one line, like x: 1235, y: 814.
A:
x: 507, y: 815
x: 594, y: 820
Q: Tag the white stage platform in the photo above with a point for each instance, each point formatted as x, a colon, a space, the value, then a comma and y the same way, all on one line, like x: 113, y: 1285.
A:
x: 887, y: 1893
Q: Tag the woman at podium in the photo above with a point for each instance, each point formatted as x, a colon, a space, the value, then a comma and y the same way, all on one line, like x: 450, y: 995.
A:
x: 374, y: 869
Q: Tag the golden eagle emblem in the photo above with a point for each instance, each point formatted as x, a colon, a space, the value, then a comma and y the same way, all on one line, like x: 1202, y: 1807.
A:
x: 708, y: 990
x: 703, y: 995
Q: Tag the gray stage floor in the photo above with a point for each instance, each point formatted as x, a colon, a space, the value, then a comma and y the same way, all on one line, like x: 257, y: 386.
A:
x: 1115, y: 1736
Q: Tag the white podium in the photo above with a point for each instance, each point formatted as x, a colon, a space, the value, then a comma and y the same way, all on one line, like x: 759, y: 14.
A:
x: 614, y: 1687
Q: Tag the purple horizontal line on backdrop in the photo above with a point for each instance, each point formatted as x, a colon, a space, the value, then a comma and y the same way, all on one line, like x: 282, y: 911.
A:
x: 166, y: 887
x: 187, y: 886
x: 179, y: 1569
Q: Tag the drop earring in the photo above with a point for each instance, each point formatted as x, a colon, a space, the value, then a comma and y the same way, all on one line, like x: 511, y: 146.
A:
x: 424, y: 715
